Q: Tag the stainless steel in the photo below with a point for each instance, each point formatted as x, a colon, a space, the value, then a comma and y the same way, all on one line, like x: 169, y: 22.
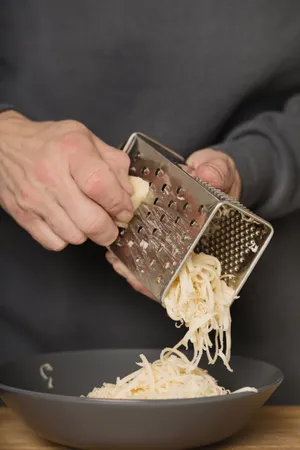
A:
x: 181, y: 215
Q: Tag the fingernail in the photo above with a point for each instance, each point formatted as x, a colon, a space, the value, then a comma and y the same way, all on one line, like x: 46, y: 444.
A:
x: 124, y: 216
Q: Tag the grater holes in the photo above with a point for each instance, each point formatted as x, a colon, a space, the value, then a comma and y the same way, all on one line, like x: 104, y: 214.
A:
x: 201, y: 208
x: 137, y: 156
x: 159, y: 172
x: 140, y: 228
x: 154, y: 231
x: 193, y: 223
x: 145, y: 171
x: 156, y: 201
x: 162, y: 217
x: 177, y: 220
x: 180, y: 193
x: 165, y: 188
x: 172, y: 204
x: 180, y: 190
x: 148, y: 214
x: 187, y: 207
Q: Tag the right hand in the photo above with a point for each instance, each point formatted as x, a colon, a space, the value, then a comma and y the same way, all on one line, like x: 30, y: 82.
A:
x: 61, y: 183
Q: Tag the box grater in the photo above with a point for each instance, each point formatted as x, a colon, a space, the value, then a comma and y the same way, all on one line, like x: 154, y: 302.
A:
x: 180, y: 215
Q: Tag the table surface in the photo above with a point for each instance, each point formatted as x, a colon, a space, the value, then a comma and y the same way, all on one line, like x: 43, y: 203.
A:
x: 274, y: 427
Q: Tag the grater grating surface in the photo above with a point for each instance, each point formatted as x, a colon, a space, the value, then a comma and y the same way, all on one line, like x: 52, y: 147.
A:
x: 181, y: 214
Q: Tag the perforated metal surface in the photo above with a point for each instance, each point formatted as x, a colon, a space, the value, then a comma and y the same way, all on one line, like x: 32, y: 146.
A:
x: 180, y: 215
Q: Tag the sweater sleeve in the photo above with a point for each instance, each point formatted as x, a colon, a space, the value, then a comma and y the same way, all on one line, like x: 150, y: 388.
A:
x: 266, y: 151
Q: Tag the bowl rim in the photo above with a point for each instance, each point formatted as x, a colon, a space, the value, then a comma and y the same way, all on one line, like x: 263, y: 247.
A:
x: 132, y: 402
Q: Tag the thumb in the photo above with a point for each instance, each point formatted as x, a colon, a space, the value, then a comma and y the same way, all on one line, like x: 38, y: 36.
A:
x: 216, y: 172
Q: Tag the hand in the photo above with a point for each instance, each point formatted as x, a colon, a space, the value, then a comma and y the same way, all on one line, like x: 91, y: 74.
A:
x: 214, y: 167
x: 61, y: 183
x: 122, y: 270
x: 217, y: 169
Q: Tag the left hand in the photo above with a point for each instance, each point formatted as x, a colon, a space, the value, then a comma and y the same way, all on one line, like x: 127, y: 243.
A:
x: 217, y: 169
x: 212, y: 166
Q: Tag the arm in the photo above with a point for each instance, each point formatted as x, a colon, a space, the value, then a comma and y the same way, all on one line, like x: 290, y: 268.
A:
x: 266, y: 152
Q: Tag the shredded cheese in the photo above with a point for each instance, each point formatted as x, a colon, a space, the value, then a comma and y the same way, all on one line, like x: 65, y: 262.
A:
x: 199, y: 299
x: 169, y: 377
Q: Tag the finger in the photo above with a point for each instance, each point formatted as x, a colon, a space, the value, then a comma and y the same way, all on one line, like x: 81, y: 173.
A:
x: 203, y: 156
x: 124, y: 272
x: 62, y: 225
x: 118, y: 161
x: 235, y: 191
x: 217, y: 173
x: 88, y: 216
x: 95, y: 179
x: 41, y: 232
x: 34, y: 225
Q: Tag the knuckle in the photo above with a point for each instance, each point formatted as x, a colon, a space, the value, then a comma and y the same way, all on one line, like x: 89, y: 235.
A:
x: 72, y: 141
x: 25, y: 193
x: 95, y: 183
x: 44, y: 172
x: 97, y: 225
x: 115, y: 204
x: 73, y: 125
x: 117, y: 158
x: 124, y: 159
x: 77, y: 238
x: 15, y: 211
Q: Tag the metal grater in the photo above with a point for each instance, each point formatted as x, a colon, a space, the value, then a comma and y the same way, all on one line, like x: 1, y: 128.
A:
x: 181, y: 215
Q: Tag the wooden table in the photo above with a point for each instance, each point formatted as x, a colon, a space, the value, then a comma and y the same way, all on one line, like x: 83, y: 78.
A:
x: 273, y: 428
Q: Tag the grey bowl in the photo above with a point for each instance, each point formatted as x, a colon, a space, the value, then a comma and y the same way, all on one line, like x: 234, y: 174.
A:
x: 61, y: 416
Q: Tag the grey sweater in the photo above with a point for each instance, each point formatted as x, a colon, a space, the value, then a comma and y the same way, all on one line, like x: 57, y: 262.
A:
x: 191, y: 74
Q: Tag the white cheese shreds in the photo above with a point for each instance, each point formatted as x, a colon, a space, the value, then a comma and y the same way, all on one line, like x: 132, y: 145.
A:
x: 199, y: 299
x: 167, y: 378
